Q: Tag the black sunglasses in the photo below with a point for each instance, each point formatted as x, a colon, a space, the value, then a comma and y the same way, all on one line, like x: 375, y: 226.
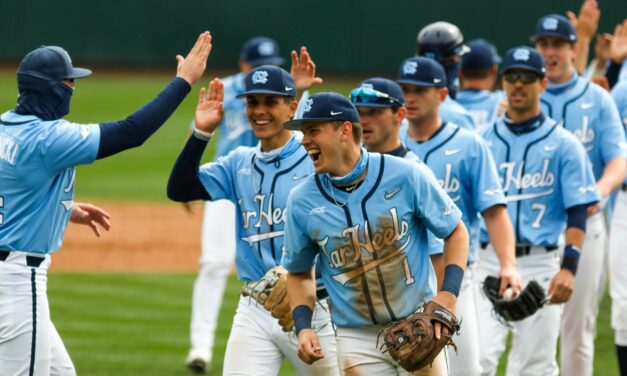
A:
x: 524, y: 77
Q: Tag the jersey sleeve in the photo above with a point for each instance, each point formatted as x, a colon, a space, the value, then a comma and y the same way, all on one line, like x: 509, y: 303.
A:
x: 217, y: 177
x: 487, y: 189
x: 612, y: 132
x: 432, y: 205
x: 577, y: 180
x: 436, y: 245
x: 70, y: 144
x: 299, y: 254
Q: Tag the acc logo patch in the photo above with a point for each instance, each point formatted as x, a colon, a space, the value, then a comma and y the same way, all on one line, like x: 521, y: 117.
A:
x: 521, y: 54
x: 549, y: 23
x: 265, y: 48
x: 260, y: 77
x: 410, y: 67
x: 308, y: 104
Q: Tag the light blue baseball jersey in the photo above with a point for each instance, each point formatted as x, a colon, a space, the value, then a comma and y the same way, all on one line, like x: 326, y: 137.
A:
x: 543, y: 173
x: 372, y: 242
x: 463, y: 166
x: 37, y: 160
x: 235, y: 129
x: 589, y: 112
x: 481, y: 104
x: 259, y: 190
x: 452, y: 112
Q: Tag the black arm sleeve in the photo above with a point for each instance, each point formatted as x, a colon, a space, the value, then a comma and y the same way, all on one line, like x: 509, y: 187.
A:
x: 135, y: 129
x: 577, y: 216
x: 612, y: 73
x: 184, y: 184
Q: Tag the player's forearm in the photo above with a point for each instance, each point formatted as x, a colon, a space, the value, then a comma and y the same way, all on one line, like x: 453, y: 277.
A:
x: 575, y: 236
x: 613, y: 176
x: 141, y: 124
x: 301, y: 289
x: 456, y: 247
x: 583, y: 52
x: 184, y: 184
x: 501, y: 234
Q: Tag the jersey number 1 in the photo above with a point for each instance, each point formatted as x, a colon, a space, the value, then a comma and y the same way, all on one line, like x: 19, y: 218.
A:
x: 409, y: 279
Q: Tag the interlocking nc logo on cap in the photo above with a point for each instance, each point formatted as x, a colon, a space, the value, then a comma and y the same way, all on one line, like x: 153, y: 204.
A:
x: 549, y: 23
x: 265, y: 48
x: 410, y: 67
x: 521, y: 54
x: 260, y: 77
x: 308, y: 104
x: 367, y: 85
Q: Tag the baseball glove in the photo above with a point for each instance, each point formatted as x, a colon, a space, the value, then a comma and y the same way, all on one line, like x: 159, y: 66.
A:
x: 411, y: 341
x: 531, y: 299
x: 271, y: 292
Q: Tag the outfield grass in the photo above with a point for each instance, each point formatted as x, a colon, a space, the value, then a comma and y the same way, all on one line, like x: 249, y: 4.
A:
x: 138, y: 324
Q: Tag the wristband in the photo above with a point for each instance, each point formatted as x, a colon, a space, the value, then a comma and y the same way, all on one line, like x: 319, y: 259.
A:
x: 205, y: 136
x: 302, y: 315
x: 453, y: 275
x: 571, y: 258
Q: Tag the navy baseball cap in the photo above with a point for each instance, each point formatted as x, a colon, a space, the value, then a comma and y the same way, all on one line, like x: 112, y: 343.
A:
x: 421, y: 71
x: 482, y: 55
x: 525, y: 58
x: 261, y: 51
x: 269, y: 79
x: 326, y: 106
x: 555, y: 25
x: 378, y: 92
x: 50, y: 63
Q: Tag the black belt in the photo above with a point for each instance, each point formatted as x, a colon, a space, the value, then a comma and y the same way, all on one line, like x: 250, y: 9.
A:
x: 322, y: 293
x: 524, y: 249
x: 32, y: 261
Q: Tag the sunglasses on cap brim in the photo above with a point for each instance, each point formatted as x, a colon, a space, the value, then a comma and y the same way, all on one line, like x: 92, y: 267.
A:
x: 364, y: 95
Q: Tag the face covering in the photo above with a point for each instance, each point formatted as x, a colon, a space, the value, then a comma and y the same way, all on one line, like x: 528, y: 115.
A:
x: 46, y: 99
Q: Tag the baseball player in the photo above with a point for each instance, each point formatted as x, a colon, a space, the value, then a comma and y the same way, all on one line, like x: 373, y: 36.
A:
x: 617, y: 259
x: 548, y: 183
x: 463, y: 166
x: 257, y: 180
x: 589, y: 112
x: 218, y: 228
x: 444, y: 43
x: 38, y: 153
x: 364, y: 217
x: 478, y: 75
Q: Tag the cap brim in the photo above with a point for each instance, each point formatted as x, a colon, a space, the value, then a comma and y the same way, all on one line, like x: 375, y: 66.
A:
x: 377, y: 105
x: 269, y: 92
x: 535, y: 36
x: 297, y: 124
x: 267, y: 61
x: 79, y: 73
x: 419, y: 83
x: 523, y: 67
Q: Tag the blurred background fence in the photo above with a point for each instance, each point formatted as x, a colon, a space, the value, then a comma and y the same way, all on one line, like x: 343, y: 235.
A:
x: 345, y: 36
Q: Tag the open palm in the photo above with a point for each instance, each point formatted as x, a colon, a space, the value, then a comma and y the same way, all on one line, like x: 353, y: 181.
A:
x: 209, y: 110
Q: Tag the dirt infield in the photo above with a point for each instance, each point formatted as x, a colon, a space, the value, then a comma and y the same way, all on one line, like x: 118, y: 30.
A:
x: 144, y: 237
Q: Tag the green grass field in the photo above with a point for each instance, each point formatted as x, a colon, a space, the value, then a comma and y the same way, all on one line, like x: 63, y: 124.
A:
x: 137, y: 324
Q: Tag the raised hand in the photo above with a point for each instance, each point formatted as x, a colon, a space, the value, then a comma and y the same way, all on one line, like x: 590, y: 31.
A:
x: 303, y: 71
x: 618, y: 47
x: 90, y: 215
x: 209, y: 110
x: 191, y: 67
x: 587, y: 22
